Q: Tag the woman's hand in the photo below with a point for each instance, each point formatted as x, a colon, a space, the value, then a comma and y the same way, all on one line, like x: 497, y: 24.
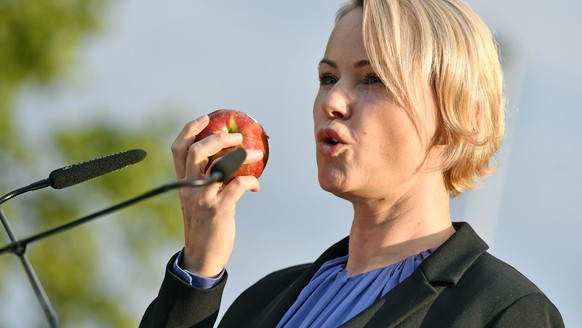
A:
x: 208, y: 212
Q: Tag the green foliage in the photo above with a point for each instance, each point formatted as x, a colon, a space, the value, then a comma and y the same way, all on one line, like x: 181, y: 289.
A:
x: 38, y: 39
x: 82, y: 270
x: 70, y: 264
x: 156, y: 169
x: 39, y: 36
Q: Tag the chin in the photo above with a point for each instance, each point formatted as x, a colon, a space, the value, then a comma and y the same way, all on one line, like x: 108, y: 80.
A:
x: 332, y: 183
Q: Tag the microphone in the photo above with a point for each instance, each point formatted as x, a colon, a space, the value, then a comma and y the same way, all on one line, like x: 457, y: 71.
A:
x: 80, y: 172
x: 228, y: 164
x: 74, y: 174
x: 222, y: 171
x: 58, y: 179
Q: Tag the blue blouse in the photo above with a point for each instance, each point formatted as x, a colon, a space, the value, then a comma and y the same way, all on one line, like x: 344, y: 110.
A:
x: 332, y: 297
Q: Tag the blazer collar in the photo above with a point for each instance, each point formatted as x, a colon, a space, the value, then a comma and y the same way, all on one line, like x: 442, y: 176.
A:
x: 450, y: 261
x: 443, y: 267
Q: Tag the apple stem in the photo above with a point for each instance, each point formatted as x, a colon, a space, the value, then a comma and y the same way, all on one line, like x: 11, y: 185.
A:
x: 232, y: 128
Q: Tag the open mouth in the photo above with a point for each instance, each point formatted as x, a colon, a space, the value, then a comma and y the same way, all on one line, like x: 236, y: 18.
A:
x: 331, y: 141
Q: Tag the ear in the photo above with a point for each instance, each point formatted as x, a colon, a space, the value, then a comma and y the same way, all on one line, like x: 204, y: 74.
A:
x: 436, y: 150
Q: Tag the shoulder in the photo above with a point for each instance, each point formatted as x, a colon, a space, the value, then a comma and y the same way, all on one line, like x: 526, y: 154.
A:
x: 494, y: 268
x: 480, y: 288
x: 500, y: 289
x: 493, y: 293
x: 487, y: 282
x: 490, y: 275
x: 472, y: 270
x: 531, y: 310
x: 463, y: 260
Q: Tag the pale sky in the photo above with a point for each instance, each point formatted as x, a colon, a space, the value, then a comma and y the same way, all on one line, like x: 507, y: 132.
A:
x: 261, y: 57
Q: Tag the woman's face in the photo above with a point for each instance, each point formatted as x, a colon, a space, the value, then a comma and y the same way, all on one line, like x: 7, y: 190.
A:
x: 367, y: 146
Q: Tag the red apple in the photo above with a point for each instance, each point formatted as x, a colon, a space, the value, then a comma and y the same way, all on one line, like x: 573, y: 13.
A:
x: 254, y: 137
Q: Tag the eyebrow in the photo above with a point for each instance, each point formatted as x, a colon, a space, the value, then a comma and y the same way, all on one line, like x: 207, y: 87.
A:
x: 360, y: 64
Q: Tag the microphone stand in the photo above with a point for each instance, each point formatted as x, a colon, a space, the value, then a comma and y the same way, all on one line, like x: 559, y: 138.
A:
x: 43, y: 299
x: 222, y: 171
x: 18, y: 246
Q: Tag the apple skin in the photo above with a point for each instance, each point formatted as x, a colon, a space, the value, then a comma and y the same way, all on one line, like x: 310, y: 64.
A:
x: 254, y: 137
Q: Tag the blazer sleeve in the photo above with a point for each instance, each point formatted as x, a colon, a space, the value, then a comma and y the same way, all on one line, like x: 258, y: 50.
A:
x: 179, y: 304
x: 532, y: 310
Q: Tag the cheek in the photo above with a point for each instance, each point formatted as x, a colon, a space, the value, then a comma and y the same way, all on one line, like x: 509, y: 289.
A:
x: 395, y: 140
x: 316, y: 111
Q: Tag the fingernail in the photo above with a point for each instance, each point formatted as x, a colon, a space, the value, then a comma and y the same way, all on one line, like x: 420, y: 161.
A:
x: 202, y: 118
x: 254, y: 154
x: 236, y: 137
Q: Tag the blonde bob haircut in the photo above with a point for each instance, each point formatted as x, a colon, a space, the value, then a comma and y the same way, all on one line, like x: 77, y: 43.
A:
x: 446, y: 49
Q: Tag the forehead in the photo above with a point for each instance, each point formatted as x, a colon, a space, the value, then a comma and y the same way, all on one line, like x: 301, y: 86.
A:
x: 346, y: 39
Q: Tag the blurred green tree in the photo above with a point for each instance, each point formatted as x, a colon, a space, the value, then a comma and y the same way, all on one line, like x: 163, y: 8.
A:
x: 86, y: 272
x: 38, y: 40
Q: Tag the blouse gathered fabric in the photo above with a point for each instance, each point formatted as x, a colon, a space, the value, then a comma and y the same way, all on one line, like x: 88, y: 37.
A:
x: 332, y: 297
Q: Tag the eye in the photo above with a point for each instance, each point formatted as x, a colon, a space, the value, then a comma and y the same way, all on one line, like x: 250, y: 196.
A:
x: 327, y: 79
x: 371, y: 78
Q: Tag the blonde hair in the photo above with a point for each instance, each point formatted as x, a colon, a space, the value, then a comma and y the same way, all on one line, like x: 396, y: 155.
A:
x: 443, y: 46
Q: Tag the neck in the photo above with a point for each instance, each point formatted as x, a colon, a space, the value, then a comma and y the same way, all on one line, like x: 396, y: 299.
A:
x: 383, y: 233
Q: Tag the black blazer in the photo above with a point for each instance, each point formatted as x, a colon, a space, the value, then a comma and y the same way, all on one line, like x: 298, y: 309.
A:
x: 459, y: 285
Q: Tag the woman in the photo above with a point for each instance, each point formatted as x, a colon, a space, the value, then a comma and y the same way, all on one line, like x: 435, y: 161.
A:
x: 409, y: 113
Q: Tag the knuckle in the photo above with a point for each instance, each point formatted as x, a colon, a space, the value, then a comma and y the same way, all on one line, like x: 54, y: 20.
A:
x: 237, y: 181
x: 240, y: 182
x: 219, y: 137
x: 189, y: 126
x: 194, y: 149
x: 206, y: 206
x: 175, y: 147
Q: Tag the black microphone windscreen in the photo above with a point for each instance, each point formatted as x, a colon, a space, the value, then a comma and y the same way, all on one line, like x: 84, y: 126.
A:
x: 73, y: 174
x: 229, y: 163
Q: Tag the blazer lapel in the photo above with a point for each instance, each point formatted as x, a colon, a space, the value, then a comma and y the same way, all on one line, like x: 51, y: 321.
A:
x: 279, y: 306
x: 443, y: 268
x: 402, y: 301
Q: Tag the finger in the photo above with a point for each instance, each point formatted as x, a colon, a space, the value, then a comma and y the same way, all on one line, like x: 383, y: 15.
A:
x: 200, y: 151
x: 253, y: 155
x: 234, y: 190
x: 183, y: 142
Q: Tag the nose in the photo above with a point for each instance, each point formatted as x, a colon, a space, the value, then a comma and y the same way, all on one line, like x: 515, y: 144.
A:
x: 336, y: 102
